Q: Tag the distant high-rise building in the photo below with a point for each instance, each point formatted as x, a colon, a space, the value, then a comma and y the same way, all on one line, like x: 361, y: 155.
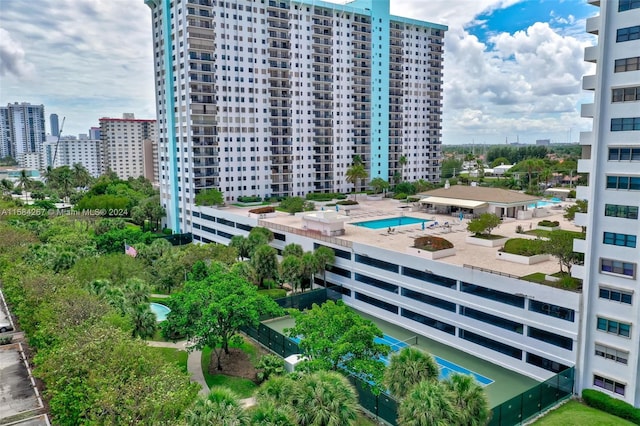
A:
x: 22, y: 132
x: 280, y: 98
x: 55, y: 126
x: 71, y: 151
x: 610, y: 327
x: 95, y: 134
x: 543, y: 142
x: 122, y: 144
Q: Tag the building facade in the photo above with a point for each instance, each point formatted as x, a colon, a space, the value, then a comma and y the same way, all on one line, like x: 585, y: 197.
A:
x: 609, y: 353
x: 55, y: 125
x: 277, y: 98
x: 70, y: 151
x: 22, y: 132
x: 122, y: 144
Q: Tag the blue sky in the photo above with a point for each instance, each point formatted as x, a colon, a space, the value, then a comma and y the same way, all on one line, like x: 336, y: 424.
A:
x: 512, y: 68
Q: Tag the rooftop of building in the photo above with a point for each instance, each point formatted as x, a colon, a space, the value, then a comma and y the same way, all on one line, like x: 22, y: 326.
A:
x: 402, y: 237
x: 481, y: 193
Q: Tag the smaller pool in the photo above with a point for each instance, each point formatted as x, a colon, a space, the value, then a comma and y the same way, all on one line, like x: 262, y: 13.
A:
x: 160, y: 311
x: 545, y: 203
x: 390, y: 222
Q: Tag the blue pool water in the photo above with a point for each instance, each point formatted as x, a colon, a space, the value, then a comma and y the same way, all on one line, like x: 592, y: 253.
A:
x: 160, y: 311
x: 549, y: 203
x: 390, y: 222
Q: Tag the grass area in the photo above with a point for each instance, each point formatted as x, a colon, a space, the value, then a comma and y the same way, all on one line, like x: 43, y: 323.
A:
x: 488, y: 236
x: 363, y: 420
x: 566, y: 281
x: 175, y: 356
x: 274, y: 293
x: 576, y: 413
x: 244, y: 388
x: 256, y: 204
x: 540, y: 233
x: 161, y: 300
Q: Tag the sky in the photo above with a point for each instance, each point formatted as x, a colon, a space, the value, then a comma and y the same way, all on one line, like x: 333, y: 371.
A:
x: 512, y: 68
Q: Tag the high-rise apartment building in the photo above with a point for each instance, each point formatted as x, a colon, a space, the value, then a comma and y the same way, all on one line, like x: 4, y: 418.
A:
x: 22, y: 131
x: 55, y: 125
x: 277, y: 98
x: 610, y: 333
x: 122, y: 144
x: 69, y: 151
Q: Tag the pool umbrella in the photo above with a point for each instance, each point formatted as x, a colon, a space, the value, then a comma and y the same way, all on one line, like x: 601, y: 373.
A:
x: 461, y: 216
x: 423, y: 226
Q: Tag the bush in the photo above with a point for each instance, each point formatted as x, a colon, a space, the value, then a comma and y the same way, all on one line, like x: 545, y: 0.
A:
x: 572, y: 194
x: 432, y: 243
x: 604, y: 402
x: 274, y: 293
x: 400, y: 196
x: 263, y: 210
x: 519, y: 229
x: 549, y: 223
x: 5, y: 340
x: 347, y: 203
x: 413, y: 199
x: 249, y: 199
x: 317, y: 196
x: 167, y: 231
x: 524, y: 247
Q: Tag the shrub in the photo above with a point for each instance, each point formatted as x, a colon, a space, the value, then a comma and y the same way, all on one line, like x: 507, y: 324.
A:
x: 604, y: 402
x: 413, y: 199
x: 431, y: 243
x: 167, y: 231
x: 249, y: 199
x: 347, y: 203
x: 273, y: 293
x: 295, y: 205
x: 519, y: 229
x: 400, y: 196
x: 318, y: 196
x: 483, y: 224
x: 5, y: 340
x: 549, y: 223
x: 572, y: 194
x: 524, y: 247
x: 263, y: 210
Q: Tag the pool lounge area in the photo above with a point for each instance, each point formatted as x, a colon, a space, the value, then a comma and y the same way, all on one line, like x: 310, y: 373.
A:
x: 390, y: 222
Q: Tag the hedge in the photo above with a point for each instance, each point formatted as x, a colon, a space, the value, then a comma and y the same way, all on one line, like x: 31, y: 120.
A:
x: 263, y: 210
x: 347, y: 203
x: 549, y: 223
x: 430, y: 243
x: 249, y: 199
x: 320, y: 196
x: 608, y: 404
x: 524, y: 247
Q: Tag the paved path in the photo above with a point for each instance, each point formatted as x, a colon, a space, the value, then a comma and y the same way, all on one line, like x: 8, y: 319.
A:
x: 194, y: 364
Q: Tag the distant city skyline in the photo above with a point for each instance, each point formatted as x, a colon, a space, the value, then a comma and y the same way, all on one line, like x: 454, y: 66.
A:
x: 512, y: 68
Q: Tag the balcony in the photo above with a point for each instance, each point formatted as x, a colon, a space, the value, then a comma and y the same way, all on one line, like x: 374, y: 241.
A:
x: 586, y: 138
x: 589, y: 82
x: 591, y: 54
x: 585, y: 166
x: 593, y: 25
x: 587, y: 110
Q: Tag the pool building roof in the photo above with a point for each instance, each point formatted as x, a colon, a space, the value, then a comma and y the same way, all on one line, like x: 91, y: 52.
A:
x: 481, y: 193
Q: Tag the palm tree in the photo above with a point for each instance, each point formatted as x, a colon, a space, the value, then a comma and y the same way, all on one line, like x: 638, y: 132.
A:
x: 220, y: 408
x: 309, y: 265
x: 292, y: 250
x: 291, y: 271
x: 265, y: 263
x: 325, y: 258
x: 278, y: 389
x: 269, y: 414
x: 403, y: 162
x: 136, y: 291
x: 325, y: 398
x: 532, y: 165
x: 356, y: 173
x: 427, y: 404
x: 407, y: 368
x: 240, y: 243
x: 24, y: 181
x: 7, y: 186
x: 470, y: 400
x: 81, y: 176
x: 144, y: 321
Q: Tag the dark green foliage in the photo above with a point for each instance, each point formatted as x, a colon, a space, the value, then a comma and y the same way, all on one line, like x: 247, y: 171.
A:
x: 274, y: 293
x: 516, y: 154
x: 450, y: 167
x: 209, y: 197
x: 484, y: 224
x: 249, y: 199
x: 269, y: 365
x: 549, y: 223
x: 109, y: 202
x: 524, y: 247
x: 405, y: 187
x: 604, y: 402
x: 113, y: 241
x: 347, y: 203
x: 295, y: 205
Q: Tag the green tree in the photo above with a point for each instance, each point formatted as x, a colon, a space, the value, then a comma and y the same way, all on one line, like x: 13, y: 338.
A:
x: 212, y: 311
x: 355, y: 174
x: 220, y: 408
x: 265, y: 263
x: 332, y: 335
x: 531, y: 166
x: 294, y: 205
x: 268, y: 366
x: 24, y: 182
x: 407, y: 368
x: 379, y: 185
x: 143, y: 320
x: 209, y: 197
x: 309, y: 265
x: 402, y: 161
x: 325, y: 257
x: 560, y: 245
x: 499, y: 162
x: 484, y: 224
x: 469, y: 400
x: 427, y: 404
x: 81, y: 176
x: 269, y: 414
x: 450, y: 167
x: 325, y: 398
x: 150, y: 210
x: 580, y: 206
x: 292, y: 249
x: 291, y: 271
x: 241, y: 244
x: 6, y: 186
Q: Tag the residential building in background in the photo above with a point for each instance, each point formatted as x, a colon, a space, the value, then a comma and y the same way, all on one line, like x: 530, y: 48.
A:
x: 278, y: 98
x: 70, y: 151
x: 22, y: 132
x: 150, y: 161
x: 610, y: 332
x: 55, y: 126
x: 94, y: 133
x: 122, y: 144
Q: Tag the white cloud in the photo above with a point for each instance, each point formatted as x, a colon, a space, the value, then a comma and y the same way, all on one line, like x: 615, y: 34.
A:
x: 12, y: 57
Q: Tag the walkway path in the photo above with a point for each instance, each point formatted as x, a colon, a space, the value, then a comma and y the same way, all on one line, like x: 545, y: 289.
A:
x: 194, y: 364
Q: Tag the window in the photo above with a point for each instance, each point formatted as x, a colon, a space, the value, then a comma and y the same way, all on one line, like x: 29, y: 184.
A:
x: 492, y: 319
x: 616, y: 295
x: 377, y: 263
x: 244, y: 227
x: 429, y: 277
x: 624, y: 154
x: 623, y: 182
x: 614, y: 327
x: 613, y: 354
x: 618, y: 267
x: 279, y: 237
x: 340, y: 271
x: 377, y: 283
x: 429, y: 300
x: 496, y: 295
x: 545, y: 363
x: 625, y: 212
x: 551, y: 338
x: 225, y: 234
x: 627, y: 34
x: 339, y: 253
x: 627, y: 94
x: 489, y: 343
x: 624, y: 5
x: 377, y: 303
x: 225, y: 222
x: 627, y: 64
x: 439, y: 325
x: 608, y: 384
x: 552, y: 310
x: 625, y: 124
x: 614, y: 239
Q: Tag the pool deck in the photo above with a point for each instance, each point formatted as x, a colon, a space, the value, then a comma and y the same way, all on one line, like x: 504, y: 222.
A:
x: 507, y: 384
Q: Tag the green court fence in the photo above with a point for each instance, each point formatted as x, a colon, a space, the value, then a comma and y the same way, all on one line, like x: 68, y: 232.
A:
x: 305, y: 300
x: 535, y: 400
x: 179, y: 239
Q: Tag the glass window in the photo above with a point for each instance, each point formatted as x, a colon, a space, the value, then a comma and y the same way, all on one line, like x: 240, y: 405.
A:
x: 545, y: 363
x: 492, y: 319
x: 624, y: 5
x: 487, y: 293
x: 624, y: 240
x: 609, y: 384
x: 430, y: 300
x: 377, y: 283
x: 429, y: 277
x: 627, y: 34
x: 422, y: 319
x: 611, y: 353
x: 377, y: 263
x: 490, y: 343
x: 552, y: 310
x: 614, y: 327
x: 377, y: 303
x: 625, y: 124
x: 627, y: 269
x: 552, y: 338
x: 339, y: 271
x: 625, y: 212
x: 615, y: 295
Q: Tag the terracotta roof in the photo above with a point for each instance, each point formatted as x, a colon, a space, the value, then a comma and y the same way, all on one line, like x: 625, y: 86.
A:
x: 481, y: 193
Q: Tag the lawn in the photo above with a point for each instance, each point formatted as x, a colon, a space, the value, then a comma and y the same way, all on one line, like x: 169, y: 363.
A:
x: 576, y: 413
x: 173, y: 355
x: 244, y: 388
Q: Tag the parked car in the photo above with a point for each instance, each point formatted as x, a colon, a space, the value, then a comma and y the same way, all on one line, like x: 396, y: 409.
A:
x: 5, y: 326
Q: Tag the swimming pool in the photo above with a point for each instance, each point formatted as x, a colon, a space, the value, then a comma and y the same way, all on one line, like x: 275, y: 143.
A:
x: 390, y: 222
x: 160, y: 311
x: 545, y: 203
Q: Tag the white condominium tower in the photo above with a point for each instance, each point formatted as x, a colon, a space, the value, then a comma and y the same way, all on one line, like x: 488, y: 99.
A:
x: 610, y: 343
x: 22, y: 132
x: 275, y: 98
